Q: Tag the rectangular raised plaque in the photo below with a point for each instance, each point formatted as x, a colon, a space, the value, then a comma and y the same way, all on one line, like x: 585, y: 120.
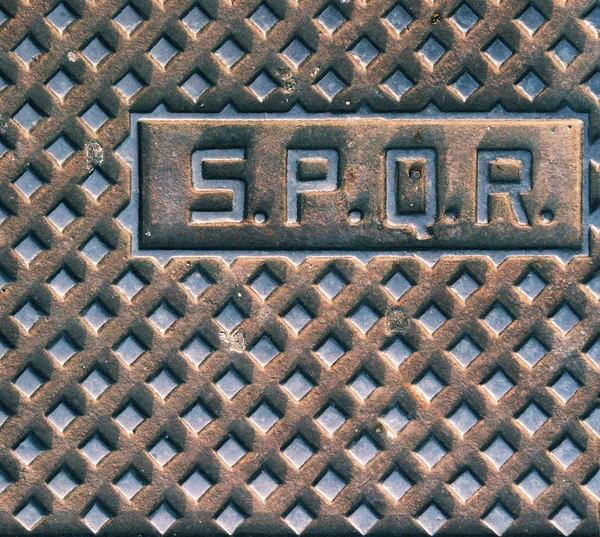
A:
x: 360, y: 183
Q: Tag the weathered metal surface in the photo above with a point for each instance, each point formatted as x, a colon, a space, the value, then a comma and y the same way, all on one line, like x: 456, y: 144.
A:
x: 118, y: 373
x: 364, y: 174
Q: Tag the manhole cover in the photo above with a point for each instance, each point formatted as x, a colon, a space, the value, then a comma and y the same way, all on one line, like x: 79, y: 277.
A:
x: 299, y: 267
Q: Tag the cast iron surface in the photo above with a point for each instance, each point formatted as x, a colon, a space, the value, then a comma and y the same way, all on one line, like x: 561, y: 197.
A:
x: 103, y: 354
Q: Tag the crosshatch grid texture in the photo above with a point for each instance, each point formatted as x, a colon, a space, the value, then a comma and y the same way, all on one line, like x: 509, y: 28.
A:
x: 326, y: 398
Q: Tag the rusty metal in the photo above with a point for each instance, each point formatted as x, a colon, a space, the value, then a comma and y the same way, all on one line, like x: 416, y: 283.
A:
x: 107, y: 351
x: 358, y: 144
